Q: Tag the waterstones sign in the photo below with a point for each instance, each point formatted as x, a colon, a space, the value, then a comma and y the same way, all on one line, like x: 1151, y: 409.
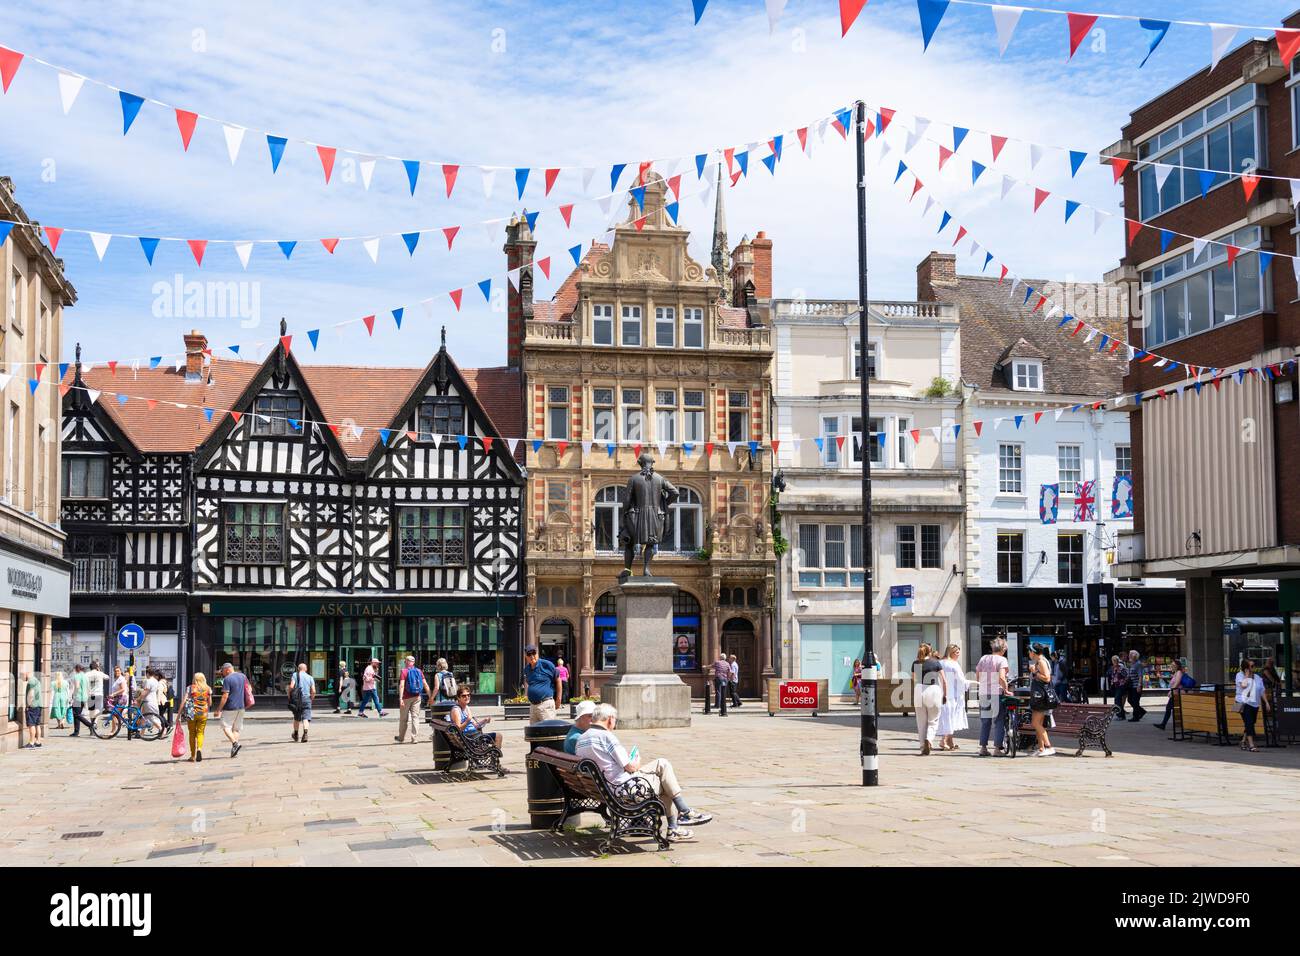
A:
x: 1059, y: 602
x: 29, y: 586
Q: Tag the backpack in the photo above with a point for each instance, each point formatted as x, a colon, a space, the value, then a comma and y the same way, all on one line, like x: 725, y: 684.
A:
x: 1189, y: 682
x: 297, y: 696
x: 414, y: 682
x: 448, y: 686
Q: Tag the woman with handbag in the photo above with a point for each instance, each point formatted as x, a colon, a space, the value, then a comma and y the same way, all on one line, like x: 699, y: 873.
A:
x: 1250, y: 698
x: 194, y: 713
x: 1042, y: 698
x: 1117, y: 681
x: 929, y: 695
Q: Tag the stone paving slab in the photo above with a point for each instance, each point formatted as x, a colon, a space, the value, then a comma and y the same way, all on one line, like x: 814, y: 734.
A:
x: 784, y: 791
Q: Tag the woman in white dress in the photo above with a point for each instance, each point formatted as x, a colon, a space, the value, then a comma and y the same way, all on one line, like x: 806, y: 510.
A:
x: 952, y: 717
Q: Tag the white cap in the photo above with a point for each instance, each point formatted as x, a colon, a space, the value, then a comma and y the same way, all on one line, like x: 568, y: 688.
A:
x: 585, y: 709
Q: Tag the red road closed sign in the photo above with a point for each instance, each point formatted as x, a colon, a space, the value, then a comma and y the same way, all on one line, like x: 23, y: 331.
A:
x: 797, y: 695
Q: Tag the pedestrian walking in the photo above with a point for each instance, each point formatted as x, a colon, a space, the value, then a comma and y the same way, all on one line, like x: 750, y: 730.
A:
x: 80, y: 696
x: 929, y: 694
x: 347, y: 691
x: 1041, y: 697
x: 413, y: 685
x: 721, y: 678
x: 97, y: 683
x: 445, y: 683
x: 952, y: 716
x: 856, y: 681
x: 230, y: 709
x: 194, y: 712
x: 1251, y: 697
x: 119, y: 689
x: 991, y: 673
x: 1117, y: 681
x: 543, y: 686
x: 302, y: 691
x: 147, y: 697
x: 60, y: 699
x: 1179, y: 681
x: 733, y: 679
x: 33, y: 711
x: 1135, y: 686
x: 562, y: 672
x: 370, y: 689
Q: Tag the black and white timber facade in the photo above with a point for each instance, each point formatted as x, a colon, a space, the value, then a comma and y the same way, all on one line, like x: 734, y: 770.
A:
x: 322, y: 514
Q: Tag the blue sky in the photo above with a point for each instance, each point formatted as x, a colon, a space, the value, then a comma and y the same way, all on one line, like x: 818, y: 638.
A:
x: 515, y: 84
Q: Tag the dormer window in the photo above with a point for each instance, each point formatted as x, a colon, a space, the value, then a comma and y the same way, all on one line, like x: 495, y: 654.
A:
x: 273, y: 412
x: 442, y: 416
x: 1027, y: 375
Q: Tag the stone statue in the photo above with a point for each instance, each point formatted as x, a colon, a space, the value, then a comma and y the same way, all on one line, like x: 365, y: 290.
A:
x: 645, y: 514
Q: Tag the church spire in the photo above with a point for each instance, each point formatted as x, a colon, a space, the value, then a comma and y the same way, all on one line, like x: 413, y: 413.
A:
x: 720, y: 258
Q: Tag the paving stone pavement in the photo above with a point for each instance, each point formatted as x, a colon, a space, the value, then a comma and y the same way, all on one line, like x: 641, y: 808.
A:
x: 785, y: 792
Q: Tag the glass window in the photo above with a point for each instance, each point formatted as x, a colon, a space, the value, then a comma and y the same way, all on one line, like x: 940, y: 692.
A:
x: 1029, y: 376
x: 830, y: 439
x: 1225, y: 136
x: 557, y: 413
x: 85, y: 476
x: 905, y: 546
x: 876, y: 447
x: 1011, y: 558
x: 1225, y: 306
x: 1244, y: 154
x: 254, y: 532
x: 835, y: 555
x: 602, y: 324
x: 738, y: 416
x: 665, y: 415
x: 693, y: 328
x: 631, y: 325
x: 1248, y: 284
x: 665, y: 327
x: 872, y: 348
x: 602, y: 403
x: 1069, y: 558
x: 905, y: 443
x: 855, y: 439
x: 693, y: 415
x: 931, y: 549
x: 557, y: 497
x: 855, y: 546
x: 442, y: 416
x: 609, y: 505
x: 685, y: 531
x: 632, y: 415
x: 1124, y: 460
x: 272, y: 413
x: 1069, y: 470
x: 739, y: 502
x: 1010, y: 470
x: 431, y: 536
x: 1198, y: 302
x: 810, y: 550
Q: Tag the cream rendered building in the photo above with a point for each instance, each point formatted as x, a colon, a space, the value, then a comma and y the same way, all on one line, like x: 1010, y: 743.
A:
x: 34, y: 575
x: 916, y: 483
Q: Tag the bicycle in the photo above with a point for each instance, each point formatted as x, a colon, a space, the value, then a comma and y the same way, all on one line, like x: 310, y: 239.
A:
x: 109, y: 724
x: 1012, y: 704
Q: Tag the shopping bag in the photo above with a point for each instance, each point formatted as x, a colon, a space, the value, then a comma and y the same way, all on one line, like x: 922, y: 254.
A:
x: 178, y: 740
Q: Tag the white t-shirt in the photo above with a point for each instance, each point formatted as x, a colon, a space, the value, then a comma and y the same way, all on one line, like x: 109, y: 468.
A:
x: 735, y: 671
x: 602, y: 746
x: 150, y: 694
x: 1249, y: 689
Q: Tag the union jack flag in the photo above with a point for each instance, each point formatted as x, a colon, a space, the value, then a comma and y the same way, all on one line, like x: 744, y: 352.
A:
x: 1085, y: 501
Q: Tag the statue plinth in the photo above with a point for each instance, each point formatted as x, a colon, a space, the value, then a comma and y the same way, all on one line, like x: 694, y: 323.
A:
x: 644, y: 689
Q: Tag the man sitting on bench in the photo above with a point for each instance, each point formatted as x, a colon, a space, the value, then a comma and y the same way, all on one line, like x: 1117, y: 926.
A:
x: 600, y: 745
x: 469, y: 726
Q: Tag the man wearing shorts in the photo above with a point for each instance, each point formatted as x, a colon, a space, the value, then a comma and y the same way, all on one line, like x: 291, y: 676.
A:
x: 32, y: 711
x: 233, y: 685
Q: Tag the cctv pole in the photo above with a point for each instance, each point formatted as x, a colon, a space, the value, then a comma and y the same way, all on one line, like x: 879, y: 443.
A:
x: 869, y: 743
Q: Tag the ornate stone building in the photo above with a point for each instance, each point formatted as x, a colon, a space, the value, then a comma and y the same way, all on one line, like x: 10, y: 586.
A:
x: 644, y: 349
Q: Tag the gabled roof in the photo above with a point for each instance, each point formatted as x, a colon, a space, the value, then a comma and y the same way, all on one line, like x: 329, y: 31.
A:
x: 1022, y: 348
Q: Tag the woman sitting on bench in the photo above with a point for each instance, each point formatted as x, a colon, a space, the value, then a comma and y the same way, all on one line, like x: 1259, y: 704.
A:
x: 468, y: 725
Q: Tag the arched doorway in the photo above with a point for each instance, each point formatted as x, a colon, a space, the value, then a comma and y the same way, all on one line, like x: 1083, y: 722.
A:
x: 554, y: 641
x: 738, y: 639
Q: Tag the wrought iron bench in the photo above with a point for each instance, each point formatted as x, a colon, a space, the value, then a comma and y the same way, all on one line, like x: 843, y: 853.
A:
x: 478, y: 751
x: 630, y: 810
x: 1088, y: 722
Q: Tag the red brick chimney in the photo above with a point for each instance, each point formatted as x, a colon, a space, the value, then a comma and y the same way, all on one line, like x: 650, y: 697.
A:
x: 762, y: 266
x: 936, y: 269
x: 196, y: 344
x: 519, y: 302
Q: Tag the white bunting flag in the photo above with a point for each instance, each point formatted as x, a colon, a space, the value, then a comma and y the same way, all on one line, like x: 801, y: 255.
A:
x: 1295, y: 192
x: 1198, y: 246
x: 774, y: 10
x: 93, y: 394
x: 1014, y: 282
x: 1295, y: 267
x: 367, y: 164
x: 920, y: 125
x: 1098, y: 217
x: 491, y: 229
x: 371, y: 246
x: 1092, y: 334
x: 513, y: 445
x: 974, y: 247
x: 357, y: 430
x: 937, y: 432
x: 512, y: 276
x: 797, y: 443
x: 1005, y: 20
x: 489, y: 180
x: 884, y: 149
x: 1221, y: 36
x: 586, y: 448
x: 604, y: 203
x: 69, y: 87
x: 5, y: 379
x: 1035, y: 154
x: 243, y: 250
x: 929, y: 201
x: 587, y: 173
x: 1059, y: 412
x: 1162, y: 173
x: 437, y: 440
x: 913, y: 138
x: 1007, y: 185
x: 663, y: 450
x: 821, y: 129
x: 100, y: 241
x: 1131, y: 352
x: 1162, y: 363
x: 427, y: 306
x: 234, y: 138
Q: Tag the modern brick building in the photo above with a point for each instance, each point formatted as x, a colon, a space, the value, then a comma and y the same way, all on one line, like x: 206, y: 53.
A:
x: 1216, y: 500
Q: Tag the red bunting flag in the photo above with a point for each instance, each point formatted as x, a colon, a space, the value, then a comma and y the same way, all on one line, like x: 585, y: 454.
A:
x: 449, y: 172
x: 112, y: 367
x: 945, y: 154
x: 675, y: 184
x: 1042, y: 300
x: 886, y: 117
x: 1134, y: 227
x: 802, y: 133
x: 236, y: 415
x: 1040, y: 196
x: 708, y: 448
x: 152, y: 403
x: 487, y: 443
x: 1288, y: 43
x: 326, y: 154
x: 916, y: 188
x: 730, y: 156
x: 979, y: 427
x: 869, y: 131
x: 185, y: 121
x: 561, y: 447
x: 551, y: 176
x: 961, y: 234
x: 40, y: 369
x: 1162, y: 393
x: 450, y: 233
x: 1077, y: 328
x: 1080, y: 24
x: 776, y: 444
x: 997, y: 142
x: 1037, y: 416
x: 1003, y: 276
x: 840, y: 128
x: 369, y: 321
x: 545, y: 266
x: 639, y: 223
x: 839, y: 441
x: 1114, y: 344
x: 53, y: 234
x: 645, y: 168
x: 455, y: 297
x: 735, y: 177
x: 9, y: 60
x: 567, y: 212
x: 1217, y: 383
x: 1117, y: 166
x: 1248, y: 184
x: 1149, y: 357
x: 636, y: 450
x: 333, y: 428
x: 412, y: 436
x: 330, y: 245
x: 849, y: 10
x: 916, y: 435
x: 286, y: 341
x: 1233, y: 252
x: 198, y: 247
x: 64, y: 388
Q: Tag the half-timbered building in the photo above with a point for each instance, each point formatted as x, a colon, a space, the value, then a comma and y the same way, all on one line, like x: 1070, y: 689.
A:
x: 277, y: 513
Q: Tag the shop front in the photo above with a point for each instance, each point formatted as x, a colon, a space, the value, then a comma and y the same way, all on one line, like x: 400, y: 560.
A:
x: 268, y: 638
x: 1148, y: 620
x: 89, y: 635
